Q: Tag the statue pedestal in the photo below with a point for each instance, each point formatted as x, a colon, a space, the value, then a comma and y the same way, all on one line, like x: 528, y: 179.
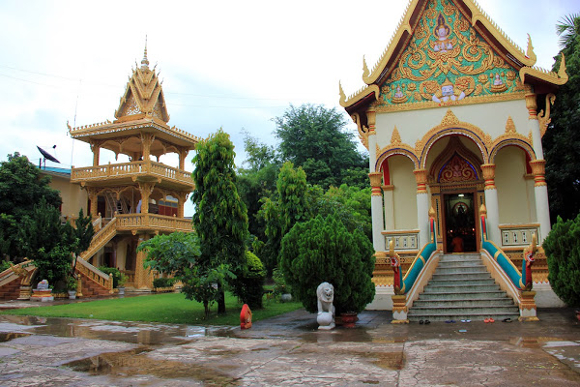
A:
x: 42, y: 295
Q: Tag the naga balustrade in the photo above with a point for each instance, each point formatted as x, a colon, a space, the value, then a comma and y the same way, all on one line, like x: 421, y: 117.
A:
x: 131, y: 169
x: 518, y: 284
x: 408, y: 288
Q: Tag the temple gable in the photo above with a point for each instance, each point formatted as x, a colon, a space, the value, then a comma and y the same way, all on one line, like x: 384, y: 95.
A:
x: 447, y: 61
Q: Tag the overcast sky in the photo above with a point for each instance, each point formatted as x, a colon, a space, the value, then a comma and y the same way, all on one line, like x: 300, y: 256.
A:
x: 227, y: 64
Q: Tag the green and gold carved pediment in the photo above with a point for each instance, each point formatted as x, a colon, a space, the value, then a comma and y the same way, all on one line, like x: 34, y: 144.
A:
x: 447, y: 62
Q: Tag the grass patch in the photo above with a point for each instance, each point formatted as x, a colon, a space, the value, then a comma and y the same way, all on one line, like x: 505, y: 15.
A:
x: 166, y: 308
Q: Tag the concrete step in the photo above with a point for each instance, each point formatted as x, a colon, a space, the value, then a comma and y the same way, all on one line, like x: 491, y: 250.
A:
x: 457, y: 317
x: 463, y: 303
x: 466, y: 311
x: 460, y: 258
x: 451, y: 270
x: 475, y: 262
x: 465, y: 276
x: 454, y: 295
x: 460, y: 284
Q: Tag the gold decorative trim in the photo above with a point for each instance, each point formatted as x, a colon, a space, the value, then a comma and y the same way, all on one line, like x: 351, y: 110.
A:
x: 345, y: 101
x: 392, y: 150
x: 559, y: 78
x: 450, y: 125
x: 466, y: 101
x: 544, y: 117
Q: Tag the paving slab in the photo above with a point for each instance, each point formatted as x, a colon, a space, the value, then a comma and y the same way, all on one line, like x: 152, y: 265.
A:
x: 289, y: 350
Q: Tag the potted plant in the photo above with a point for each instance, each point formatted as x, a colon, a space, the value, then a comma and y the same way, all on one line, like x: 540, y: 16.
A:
x: 121, y: 283
x: 71, y: 286
x: 328, y: 251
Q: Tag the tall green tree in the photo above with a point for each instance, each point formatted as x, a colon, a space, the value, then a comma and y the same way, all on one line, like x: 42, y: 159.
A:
x: 280, y: 214
x: 562, y: 139
x: 315, y: 138
x: 21, y: 188
x: 220, y: 218
x: 257, y: 179
x: 43, y: 238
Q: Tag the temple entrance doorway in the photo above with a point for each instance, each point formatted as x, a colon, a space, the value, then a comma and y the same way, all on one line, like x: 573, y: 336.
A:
x: 460, y: 225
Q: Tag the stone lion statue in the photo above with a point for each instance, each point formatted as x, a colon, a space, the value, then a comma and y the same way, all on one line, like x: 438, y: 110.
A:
x: 325, y: 295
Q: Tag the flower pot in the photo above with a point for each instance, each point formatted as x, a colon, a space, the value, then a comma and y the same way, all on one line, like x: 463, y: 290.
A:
x: 121, y: 290
x: 348, y: 319
x: 72, y: 294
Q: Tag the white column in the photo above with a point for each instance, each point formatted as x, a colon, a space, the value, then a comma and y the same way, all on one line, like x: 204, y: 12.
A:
x: 541, y: 198
x: 377, y: 211
x: 422, y: 206
x: 538, y: 166
x: 491, y: 203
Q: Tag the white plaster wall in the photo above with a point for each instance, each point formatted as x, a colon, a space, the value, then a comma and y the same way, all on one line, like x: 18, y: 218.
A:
x: 404, y: 193
x: 383, y: 299
x: 515, y: 206
x: 546, y: 298
x: 413, y: 124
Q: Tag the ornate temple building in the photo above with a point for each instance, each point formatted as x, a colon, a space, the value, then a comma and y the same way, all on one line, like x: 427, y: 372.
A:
x: 142, y: 197
x: 453, y: 115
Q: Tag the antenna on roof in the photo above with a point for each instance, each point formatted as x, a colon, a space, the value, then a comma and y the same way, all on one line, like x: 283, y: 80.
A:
x: 45, y: 156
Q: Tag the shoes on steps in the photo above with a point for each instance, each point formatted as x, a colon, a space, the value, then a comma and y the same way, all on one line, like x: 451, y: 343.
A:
x: 450, y: 321
x: 421, y: 321
x: 427, y: 322
x: 507, y: 320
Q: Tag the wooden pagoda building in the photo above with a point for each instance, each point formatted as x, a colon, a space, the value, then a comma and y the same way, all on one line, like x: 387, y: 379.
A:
x: 142, y: 197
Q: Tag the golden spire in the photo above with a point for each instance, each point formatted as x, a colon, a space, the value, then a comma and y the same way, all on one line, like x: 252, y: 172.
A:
x: 145, y: 61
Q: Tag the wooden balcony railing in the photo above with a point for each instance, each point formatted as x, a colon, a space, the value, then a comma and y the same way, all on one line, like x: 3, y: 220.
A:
x: 128, y: 222
x: 132, y: 169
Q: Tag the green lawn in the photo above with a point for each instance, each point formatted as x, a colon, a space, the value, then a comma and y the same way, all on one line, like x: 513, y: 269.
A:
x: 166, y: 308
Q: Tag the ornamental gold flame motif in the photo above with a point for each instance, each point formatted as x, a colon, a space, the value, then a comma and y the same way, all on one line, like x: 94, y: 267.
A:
x: 447, y: 61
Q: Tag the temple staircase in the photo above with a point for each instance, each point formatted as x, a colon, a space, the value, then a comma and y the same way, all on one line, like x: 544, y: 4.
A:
x: 100, y: 239
x: 462, y: 288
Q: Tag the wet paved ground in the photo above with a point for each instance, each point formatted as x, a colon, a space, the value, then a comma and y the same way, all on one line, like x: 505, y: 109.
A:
x: 290, y: 351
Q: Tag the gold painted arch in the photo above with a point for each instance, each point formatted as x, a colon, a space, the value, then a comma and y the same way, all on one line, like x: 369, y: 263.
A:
x: 451, y: 126
x: 406, y: 151
x: 517, y: 142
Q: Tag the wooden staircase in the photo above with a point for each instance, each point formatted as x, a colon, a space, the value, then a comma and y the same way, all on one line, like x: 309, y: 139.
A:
x: 100, y: 239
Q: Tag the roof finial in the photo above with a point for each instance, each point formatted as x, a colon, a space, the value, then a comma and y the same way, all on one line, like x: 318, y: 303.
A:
x: 145, y: 61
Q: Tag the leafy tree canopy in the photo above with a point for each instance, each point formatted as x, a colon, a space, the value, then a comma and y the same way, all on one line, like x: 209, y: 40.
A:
x: 562, y: 139
x: 323, y: 250
x: 221, y: 219
x: 21, y: 188
x: 315, y: 138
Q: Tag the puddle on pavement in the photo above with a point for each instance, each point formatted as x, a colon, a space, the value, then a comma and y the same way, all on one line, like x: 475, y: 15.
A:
x: 136, y: 362
x: 390, y: 360
x: 11, y: 335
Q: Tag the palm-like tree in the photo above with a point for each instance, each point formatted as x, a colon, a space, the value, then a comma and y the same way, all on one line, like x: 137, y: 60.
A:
x: 568, y: 28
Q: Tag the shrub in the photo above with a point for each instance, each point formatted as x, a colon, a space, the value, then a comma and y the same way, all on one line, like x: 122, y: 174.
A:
x: 251, y: 281
x: 562, y: 247
x: 114, y: 272
x: 163, y: 282
x: 322, y: 250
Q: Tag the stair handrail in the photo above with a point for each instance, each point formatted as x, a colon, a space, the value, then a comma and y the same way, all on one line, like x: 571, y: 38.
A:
x: 518, y: 284
x: 404, y: 285
x: 98, y: 239
x: 504, y: 262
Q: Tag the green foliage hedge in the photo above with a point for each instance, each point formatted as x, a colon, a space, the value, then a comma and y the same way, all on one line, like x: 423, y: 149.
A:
x: 114, y: 272
x: 323, y: 250
x: 163, y: 282
x: 562, y: 247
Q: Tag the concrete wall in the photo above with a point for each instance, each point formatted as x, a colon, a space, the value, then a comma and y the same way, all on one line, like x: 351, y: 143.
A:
x: 515, y: 204
x: 404, y: 193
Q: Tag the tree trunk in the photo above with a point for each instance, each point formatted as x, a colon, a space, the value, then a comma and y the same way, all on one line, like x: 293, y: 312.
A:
x: 221, y: 301
x: 206, y: 309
